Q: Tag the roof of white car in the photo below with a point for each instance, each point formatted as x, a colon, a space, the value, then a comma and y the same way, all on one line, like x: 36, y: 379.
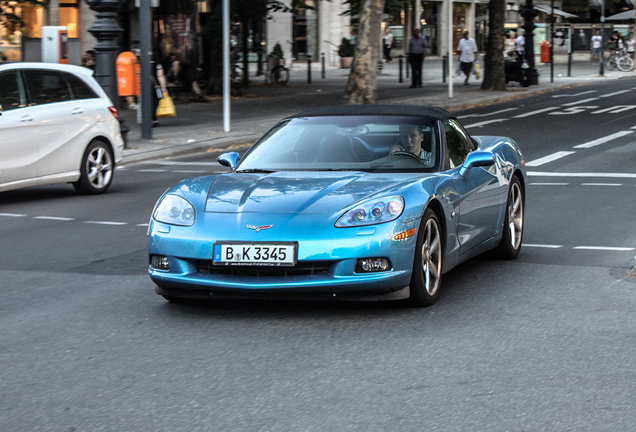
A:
x: 49, y: 66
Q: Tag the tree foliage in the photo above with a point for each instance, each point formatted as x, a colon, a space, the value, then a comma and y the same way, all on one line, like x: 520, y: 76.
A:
x: 8, y: 16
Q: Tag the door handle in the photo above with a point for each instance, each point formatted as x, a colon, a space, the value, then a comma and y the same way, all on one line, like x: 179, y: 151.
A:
x: 26, y: 118
x: 77, y: 111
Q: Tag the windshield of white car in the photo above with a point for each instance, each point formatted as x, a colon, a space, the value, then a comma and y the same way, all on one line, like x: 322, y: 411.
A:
x: 347, y: 143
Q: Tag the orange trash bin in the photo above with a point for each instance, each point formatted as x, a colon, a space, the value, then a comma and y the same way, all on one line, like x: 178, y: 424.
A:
x: 127, y: 74
x: 545, y: 52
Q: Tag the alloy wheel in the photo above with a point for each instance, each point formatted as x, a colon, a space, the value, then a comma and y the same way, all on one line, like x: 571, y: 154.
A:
x: 432, y: 256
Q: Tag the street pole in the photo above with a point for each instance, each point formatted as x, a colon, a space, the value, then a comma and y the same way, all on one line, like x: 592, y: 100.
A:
x: 528, y: 14
x: 552, y: 45
x: 226, y: 65
x: 146, y: 85
x: 450, y: 48
x: 602, y: 59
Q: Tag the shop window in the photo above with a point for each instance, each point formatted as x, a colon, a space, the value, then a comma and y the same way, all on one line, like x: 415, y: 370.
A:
x: 69, y: 17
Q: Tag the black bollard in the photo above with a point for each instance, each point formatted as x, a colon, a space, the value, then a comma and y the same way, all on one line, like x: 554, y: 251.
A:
x: 569, y: 63
x: 444, y: 60
x: 407, y: 66
x: 322, y: 61
x: 259, y: 65
x: 400, y: 63
x: 308, y: 69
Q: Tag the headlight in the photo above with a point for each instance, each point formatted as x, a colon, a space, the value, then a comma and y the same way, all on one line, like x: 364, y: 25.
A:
x: 373, y: 211
x: 175, y: 210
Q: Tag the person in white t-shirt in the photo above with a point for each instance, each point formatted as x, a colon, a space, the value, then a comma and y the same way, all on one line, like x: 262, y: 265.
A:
x: 521, y: 42
x: 597, y: 40
x: 630, y: 45
x: 466, y: 50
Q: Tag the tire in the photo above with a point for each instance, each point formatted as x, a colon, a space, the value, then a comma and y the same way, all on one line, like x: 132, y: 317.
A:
x: 512, y: 237
x: 427, y: 266
x: 97, y: 169
x: 625, y: 64
x: 611, y: 63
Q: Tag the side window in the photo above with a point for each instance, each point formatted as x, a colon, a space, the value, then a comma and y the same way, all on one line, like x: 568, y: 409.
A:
x: 80, y: 89
x: 12, y: 94
x: 47, y: 86
x: 458, y: 145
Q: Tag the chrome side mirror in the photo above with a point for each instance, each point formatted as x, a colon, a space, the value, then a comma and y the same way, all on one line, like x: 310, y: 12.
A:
x: 476, y: 159
x: 229, y: 159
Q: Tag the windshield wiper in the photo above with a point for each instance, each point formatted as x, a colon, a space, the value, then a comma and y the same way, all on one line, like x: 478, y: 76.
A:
x: 255, y: 170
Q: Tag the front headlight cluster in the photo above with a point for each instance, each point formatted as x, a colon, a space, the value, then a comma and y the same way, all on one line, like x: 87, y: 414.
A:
x: 373, y: 211
x: 175, y: 210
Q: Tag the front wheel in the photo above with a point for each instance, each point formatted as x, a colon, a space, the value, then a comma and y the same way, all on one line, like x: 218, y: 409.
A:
x: 427, y: 266
x: 625, y: 64
x: 611, y: 63
x: 97, y: 169
x: 513, y: 224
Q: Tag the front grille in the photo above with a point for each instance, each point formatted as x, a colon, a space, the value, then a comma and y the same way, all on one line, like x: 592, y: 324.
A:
x: 301, y: 269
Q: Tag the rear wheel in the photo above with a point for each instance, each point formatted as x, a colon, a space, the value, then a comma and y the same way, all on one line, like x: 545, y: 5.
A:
x: 427, y: 266
x: 513, y: 225
x: 625, y: 64
x: 97, y: 169
x: 611, y: 63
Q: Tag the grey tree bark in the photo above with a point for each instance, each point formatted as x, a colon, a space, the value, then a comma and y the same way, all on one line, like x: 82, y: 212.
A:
x: 494, y: 71
x: 362, y: 83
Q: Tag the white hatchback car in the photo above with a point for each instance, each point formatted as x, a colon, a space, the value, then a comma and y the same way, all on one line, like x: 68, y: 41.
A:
x: 57, y: 125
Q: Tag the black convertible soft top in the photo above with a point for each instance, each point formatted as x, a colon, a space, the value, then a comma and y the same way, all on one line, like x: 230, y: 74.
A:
x: 379, y: 110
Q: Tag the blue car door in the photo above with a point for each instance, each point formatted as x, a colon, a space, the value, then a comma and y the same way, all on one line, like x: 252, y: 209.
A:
x: 480, y: 193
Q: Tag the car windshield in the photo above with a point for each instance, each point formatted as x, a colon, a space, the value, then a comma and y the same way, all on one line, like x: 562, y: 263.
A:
x: 347, y: 143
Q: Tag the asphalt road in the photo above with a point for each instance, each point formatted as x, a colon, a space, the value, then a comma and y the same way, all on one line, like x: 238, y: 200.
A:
x: 543, y: 343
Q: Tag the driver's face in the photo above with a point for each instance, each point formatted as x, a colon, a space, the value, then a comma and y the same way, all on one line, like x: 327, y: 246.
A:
x: 411, y: 138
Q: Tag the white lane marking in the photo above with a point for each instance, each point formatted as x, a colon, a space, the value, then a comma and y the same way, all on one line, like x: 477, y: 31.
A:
x: 142, y: 225
x: 190, y: 171
x: 579, y: 102
x: 604, y: 248
x: 633, y: 127
x: 573, y: 110
x: 153, y: 170
x: 105, y: 223
x: 12, y: 215
x: 585, y: 175
x: 488, y: 114
x: 531, y: 113
x: 543, y: 246
x: 576, y: 94
x: 549, y: 158
x: 549, y: 184
x: 601, y: 184
x: 615, y: 93
x: 121, y: 168
x: 615, y: 109
x: 170, y: 163
x: 53, y: 218
x: 485, y: 123
x: 603, y: 140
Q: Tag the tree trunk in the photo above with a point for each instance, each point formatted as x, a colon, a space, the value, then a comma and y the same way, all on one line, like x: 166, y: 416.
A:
x: 361, y: 87
x: 244, y: 36
x: 494, y: 70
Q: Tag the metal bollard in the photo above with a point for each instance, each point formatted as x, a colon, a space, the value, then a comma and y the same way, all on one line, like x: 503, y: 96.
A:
x: 308, y: 69
x: 569, y: 64
x: 407, y: 66
x: 322, y: 60
x: 444, y: 61
x: 400, y: 68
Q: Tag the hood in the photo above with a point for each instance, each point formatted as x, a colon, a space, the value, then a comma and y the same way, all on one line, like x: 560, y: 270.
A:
x: 298, y: 192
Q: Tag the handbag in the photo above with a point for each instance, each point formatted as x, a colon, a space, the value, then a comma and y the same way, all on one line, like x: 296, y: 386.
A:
x: 166, y: 107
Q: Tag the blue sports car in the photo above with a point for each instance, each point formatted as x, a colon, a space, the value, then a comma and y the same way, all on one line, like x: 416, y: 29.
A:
x: 350, y: 202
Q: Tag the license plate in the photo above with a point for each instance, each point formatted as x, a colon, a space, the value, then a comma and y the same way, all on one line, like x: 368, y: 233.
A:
x: 265, y: 254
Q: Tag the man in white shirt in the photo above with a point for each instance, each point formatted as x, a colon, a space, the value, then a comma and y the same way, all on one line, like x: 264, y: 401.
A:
x: 466, y: 50
x: 521, y: 42
x: 597, y: 40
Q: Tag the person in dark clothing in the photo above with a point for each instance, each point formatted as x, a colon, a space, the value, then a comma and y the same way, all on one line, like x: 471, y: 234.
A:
x: 159, y: 86
x: 417, y: 49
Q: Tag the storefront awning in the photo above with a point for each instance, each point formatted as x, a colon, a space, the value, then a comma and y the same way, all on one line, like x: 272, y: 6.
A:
x: 559, y: 12
x: 627, y: 15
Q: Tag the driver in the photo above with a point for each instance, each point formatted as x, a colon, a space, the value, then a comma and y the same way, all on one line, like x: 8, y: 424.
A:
x: 411, y: 138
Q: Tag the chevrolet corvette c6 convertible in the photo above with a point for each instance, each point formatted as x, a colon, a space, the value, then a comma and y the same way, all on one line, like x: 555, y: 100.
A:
x: 349, y: 203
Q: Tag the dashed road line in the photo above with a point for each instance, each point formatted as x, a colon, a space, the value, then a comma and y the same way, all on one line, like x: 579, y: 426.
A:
x: 12, y: 215
x: 601, y: 184
x: 549, y: 184
x: 615, y: 93
x: 576, y: 94
x: 549, y: 158
x: 531, y: 113
x: 603, y: 140
x: 580, y: 101
x: 546, y: 246
x: 604, y: 248
x: 152, y: 170
x: 584, y: 175
x: 485, y: 123
x: 105, y: 223
x: 489, y: 114
x: 55, y: 218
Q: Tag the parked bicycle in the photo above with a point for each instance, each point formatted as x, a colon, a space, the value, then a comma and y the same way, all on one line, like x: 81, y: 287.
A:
x: 620, y: 60
x: 277, y: 72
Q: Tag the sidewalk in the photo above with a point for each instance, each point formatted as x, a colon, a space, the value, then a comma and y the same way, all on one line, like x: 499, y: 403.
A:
x: 199, y: 126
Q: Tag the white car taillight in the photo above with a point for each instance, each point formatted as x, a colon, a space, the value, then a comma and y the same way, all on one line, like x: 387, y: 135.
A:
x: 113, y: 111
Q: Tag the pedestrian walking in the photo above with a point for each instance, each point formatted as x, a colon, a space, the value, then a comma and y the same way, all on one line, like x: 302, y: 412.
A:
x: 88, y: 59
x: 466, y: 50
x: 387, y: 43
x: 630, y: 45
x: 597, y: 42
x: 521, y: 42
x: 417, y: 49
x: 158, y: 80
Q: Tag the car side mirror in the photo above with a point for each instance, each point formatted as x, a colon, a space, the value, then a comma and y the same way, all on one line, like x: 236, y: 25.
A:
x: 229, y: 159
x: 476, y: 159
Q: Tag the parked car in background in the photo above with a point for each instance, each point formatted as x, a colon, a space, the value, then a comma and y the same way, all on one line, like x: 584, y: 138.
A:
x: 57, y: 125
